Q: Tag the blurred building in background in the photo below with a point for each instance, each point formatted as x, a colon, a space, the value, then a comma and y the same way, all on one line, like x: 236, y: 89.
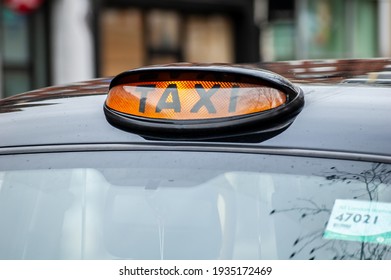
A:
x: 61, y: 41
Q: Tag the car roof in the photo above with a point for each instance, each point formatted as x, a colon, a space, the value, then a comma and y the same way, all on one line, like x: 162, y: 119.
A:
x: 336, y: 117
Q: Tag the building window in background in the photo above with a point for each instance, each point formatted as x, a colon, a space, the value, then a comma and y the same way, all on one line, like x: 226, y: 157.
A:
x: 16, y: 57
x: 209, y: 39
x: 122, y: 41
x: 24, y: 51
x: 133, y: 37
x: 163, y: 37
x: 309, y: 29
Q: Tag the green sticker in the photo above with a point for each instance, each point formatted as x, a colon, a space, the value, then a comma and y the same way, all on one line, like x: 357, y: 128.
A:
x: 362, y: 221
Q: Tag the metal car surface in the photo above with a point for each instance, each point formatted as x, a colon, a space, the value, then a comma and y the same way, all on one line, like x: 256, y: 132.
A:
x: 72, y: 186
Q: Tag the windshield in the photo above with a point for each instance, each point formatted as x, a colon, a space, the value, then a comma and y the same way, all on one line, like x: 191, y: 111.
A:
x: 192, y: 205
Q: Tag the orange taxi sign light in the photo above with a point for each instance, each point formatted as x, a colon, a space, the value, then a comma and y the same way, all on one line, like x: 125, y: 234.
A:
x: 200, y: 102
x: 192, y: 100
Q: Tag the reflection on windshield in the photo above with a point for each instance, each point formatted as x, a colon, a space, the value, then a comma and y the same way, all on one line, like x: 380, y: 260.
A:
x: 140, y: 205
x: 371, y: 184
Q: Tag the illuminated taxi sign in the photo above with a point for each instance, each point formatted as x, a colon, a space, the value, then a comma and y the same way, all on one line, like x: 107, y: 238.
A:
x: 192, y: 100
x: 201, y: 102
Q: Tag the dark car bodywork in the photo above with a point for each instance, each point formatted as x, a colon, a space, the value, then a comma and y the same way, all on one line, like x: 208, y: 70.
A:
x: 341, y: 118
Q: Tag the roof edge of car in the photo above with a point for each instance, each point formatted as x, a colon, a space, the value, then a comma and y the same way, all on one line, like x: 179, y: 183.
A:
x: 196, y: 147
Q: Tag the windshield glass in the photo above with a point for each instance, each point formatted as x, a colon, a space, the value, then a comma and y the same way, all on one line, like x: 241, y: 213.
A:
x: 192, y: 205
